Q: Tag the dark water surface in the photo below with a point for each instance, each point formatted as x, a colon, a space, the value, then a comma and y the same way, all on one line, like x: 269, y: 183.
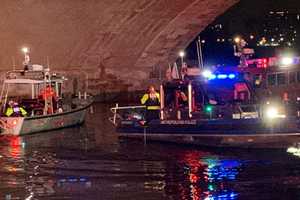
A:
x: 90, y: 162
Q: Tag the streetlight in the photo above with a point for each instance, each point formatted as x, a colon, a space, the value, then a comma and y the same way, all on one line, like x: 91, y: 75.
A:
x: 181, y: 54
x: 237, y: 39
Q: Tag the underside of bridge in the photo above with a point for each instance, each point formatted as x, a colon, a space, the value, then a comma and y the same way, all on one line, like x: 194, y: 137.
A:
x: 108, y: 45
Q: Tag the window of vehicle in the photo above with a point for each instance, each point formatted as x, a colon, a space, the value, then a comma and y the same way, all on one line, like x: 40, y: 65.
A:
x: 298, y: 76
x: 281, y: 78
x: 292, y: 77
x: 248, y: 108
x: 271, y: 79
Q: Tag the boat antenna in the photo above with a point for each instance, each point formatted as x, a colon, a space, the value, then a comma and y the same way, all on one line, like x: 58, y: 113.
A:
x: 199, y: 53
x: 48, y: 63
x: 13, y: 62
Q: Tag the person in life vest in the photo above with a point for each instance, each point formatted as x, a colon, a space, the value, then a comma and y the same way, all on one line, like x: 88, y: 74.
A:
x: 49, y: 95
x: 48, y: 92
x: 152, y: 101
x: 14, y: 110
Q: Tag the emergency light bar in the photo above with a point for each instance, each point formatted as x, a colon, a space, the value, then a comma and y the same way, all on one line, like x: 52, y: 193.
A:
x: 221, y: 76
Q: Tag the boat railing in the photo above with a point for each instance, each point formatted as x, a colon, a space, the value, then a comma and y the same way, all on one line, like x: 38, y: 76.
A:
x: 118, y: 112
x: 83, y: 95
x: 32, y: 74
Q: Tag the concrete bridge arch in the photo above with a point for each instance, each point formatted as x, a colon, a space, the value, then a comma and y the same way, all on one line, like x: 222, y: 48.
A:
x: 113, y: 43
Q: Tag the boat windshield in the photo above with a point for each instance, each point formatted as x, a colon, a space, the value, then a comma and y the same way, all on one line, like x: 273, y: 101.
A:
x: 248, y: 108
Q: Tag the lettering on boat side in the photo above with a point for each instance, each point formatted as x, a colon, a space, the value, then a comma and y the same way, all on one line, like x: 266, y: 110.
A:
x: 126, y: 122
x: 192, y: 122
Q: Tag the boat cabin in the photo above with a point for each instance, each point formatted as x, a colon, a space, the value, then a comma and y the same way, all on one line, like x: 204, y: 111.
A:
x: 217, y: 95
x: 37, y: 91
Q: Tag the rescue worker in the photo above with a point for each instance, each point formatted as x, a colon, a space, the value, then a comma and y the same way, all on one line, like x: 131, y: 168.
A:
x: 48, y: 92
x: 49, y: 96
x: 14, y: 110
x: 152, y: 101
x: 182, y: 100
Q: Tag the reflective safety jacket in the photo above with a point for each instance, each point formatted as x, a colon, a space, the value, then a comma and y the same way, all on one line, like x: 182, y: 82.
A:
x: 48, y: 92
x: 151, y: 103
x: 15, y: 111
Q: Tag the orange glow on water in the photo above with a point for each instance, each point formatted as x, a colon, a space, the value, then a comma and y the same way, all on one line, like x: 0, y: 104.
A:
x: 15, y: 148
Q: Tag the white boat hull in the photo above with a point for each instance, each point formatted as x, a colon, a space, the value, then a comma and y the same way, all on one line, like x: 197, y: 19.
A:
x: 28, y: 125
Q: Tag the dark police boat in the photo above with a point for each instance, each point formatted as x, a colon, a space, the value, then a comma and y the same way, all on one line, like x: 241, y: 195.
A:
x: 221, y: 109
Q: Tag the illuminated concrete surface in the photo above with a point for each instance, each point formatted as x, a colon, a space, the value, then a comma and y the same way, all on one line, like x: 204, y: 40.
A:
x: 114, y: 44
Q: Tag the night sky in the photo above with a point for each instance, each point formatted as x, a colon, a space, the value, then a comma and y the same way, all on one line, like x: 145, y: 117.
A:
x: 253, y: 10
x: 243, y: 19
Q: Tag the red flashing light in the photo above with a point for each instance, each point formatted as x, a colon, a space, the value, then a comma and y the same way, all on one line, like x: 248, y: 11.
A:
x: 262, y: 63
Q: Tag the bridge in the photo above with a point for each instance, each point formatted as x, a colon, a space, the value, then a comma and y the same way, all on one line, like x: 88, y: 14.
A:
x: 110, y: 45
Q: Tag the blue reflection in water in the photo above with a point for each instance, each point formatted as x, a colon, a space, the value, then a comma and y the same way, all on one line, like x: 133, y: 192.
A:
x: 210, y: 178
x: 222, y: 169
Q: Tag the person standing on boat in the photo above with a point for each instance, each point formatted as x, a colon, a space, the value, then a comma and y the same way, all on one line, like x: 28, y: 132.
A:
x: 152, y: 102
x: 49, y: 96
x: 14, y: 110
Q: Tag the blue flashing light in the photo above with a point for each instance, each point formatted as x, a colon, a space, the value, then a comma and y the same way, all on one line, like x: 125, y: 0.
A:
x: 231, y: 76
x: 212, y: 76
x: 222, y: 76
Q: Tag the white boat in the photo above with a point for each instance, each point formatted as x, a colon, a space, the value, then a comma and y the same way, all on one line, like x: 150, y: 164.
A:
x: 43, y: 114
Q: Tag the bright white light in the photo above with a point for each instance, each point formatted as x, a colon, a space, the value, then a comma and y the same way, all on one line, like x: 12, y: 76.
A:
x: 237, y: 39
x: 272, y: 112
x: 206, y: 73
x: 181, y: 54
x: 294, y: 150
x: 25, y: 49
x: 286, y: 61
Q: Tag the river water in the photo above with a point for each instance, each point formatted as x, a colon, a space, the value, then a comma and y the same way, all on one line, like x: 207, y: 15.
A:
x: 90, y: 162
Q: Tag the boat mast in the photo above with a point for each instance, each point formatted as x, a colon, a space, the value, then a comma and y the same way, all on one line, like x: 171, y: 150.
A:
x: 162, y: 102
x: 199, y: 53
x: 47, y: 82
x: 13, y: 63
x: 190, y: 99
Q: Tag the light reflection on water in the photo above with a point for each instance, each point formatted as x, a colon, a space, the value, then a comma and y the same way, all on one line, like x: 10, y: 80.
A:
x: 89, y: 162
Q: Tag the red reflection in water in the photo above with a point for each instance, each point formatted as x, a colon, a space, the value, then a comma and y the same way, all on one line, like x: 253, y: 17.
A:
x: 196, y: 173
x: 15, y: 146
x: 193, y: 178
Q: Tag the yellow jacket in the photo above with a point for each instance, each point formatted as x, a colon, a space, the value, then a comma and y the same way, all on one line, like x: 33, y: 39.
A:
x: 10, y: 111
x: 150, y: 103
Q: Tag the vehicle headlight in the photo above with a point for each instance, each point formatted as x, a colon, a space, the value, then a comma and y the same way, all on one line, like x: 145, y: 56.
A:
x: 272, y: 112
